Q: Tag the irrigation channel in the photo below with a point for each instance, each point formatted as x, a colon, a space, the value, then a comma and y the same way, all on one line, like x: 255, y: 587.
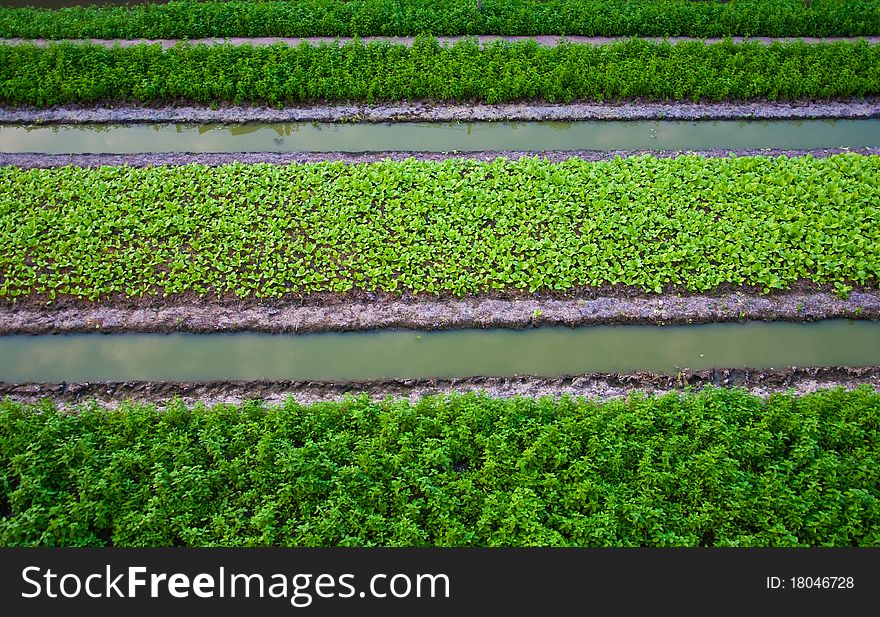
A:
x: 438, y: 137
x: 409, y: 354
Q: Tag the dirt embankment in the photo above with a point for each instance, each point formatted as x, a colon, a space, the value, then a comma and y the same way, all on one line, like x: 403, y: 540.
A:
x: 595, y: 385
x: 28, y: 160
x: 434, y: 111
x: 339, y: 315
x: 482, y: 40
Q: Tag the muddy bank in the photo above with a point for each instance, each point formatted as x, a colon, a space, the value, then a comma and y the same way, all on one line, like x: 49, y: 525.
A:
x: 528, y: 311
x: 431, y: 111
x: 482, y: 40
x: 595, y: 385
x: 36, y: 160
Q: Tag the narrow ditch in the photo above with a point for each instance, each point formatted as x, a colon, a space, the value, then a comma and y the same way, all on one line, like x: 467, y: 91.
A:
x: 408, y: 354
x: 439, y: 137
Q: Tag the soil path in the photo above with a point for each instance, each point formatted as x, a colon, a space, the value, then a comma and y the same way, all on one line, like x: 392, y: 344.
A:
x: 544, y: 41
x: 36, y: 160
x: 165, y: 316
x: 595, y: 385
x: 432, y: 111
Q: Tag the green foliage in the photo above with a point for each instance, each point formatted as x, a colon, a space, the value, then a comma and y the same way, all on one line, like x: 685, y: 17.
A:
x: 454, y: 227
x: 721, y: 468
x: 192, y: 19
x: 502, y: 71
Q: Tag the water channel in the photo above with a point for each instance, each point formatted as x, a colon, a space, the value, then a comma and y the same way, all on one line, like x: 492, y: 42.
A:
x: 439, y: 137
x: 544, y: 351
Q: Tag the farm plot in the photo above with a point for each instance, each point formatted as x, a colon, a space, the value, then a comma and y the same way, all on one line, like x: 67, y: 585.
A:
x: 193, y: 19
x: 722, y: 468
x: 380, y: 71
x: 720, y: 434
x: 453, y: 227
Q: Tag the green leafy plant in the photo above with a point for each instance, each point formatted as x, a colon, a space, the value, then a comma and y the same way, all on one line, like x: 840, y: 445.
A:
x: 382, y: 71
x: 719, y: 468
x: 238, y: 18
x: 453, y: 228
x: 842, y: 290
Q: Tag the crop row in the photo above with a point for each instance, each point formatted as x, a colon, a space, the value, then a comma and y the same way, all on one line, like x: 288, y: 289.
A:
x: 192, y: 19
x: 502, y: 71
x: 719, y: 468
x: 453, y: 227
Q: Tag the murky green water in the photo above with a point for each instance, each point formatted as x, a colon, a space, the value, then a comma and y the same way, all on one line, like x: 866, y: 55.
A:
x: 548, y: 351
x: 439, y: 137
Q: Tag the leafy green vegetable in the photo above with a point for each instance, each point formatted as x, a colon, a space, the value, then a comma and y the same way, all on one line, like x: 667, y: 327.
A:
x: 722, y: 468
x: 454, y: 227
x: 502, y: 71
x: 192, y: 19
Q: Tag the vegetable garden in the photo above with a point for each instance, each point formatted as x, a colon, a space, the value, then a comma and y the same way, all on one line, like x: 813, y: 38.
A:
x: 722, y: 468
x: 241, y: 18
x: 189, y: 240
x: 384, y: 71
x: 455, y: 227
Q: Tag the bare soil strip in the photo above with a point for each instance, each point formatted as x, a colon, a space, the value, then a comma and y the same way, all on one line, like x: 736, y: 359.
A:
x: 37, y: 160
x: 432, y: 111
x: 595, y: 385
x: 544, y: 41
x: 341, y: 316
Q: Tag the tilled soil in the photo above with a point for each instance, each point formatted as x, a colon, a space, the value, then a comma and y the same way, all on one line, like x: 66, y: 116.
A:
x: 158, y: 315
x: 439, y: 111
x: 595, y: 385
x: 29, y: 160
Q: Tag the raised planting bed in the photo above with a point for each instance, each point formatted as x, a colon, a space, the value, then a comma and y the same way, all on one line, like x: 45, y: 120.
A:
x: 280, y: 74
x: 450, y: 228
x: 722, y: 468
x: 192, y: 19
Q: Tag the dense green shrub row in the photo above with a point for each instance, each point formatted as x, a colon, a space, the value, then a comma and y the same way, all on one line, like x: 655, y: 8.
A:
x: 65, y: 72
x: 188, y: 19
x: 720, y: 468
x: 451, y: 227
